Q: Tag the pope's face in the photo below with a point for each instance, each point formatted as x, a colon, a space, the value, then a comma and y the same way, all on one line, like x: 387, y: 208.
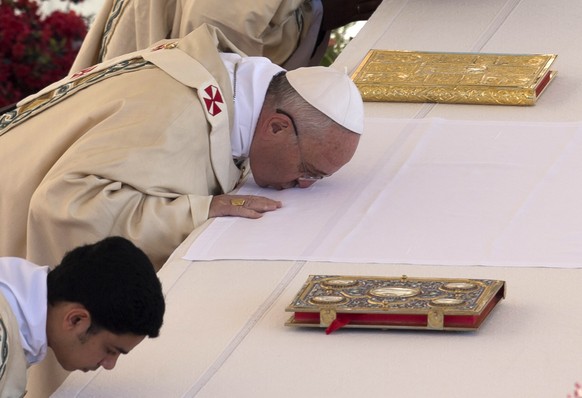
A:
x: 89, y: 351
x: 287, y: 159
x: 283, y: 167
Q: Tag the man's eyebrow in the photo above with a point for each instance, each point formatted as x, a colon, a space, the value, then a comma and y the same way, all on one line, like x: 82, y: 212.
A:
x: 315, y: 171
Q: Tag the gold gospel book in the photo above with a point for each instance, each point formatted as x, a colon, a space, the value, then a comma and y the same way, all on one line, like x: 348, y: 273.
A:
x: 458, y: 78
x: 333, y: 302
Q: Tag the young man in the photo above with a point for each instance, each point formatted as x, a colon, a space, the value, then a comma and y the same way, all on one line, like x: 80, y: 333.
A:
x: 100, y: 302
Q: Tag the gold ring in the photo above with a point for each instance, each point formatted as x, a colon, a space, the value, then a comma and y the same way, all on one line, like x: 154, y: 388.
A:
x: 237, y: 202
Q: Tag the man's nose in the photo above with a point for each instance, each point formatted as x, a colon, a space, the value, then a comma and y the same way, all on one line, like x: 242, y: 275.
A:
x: 109, y: 362
x: 305, y: 183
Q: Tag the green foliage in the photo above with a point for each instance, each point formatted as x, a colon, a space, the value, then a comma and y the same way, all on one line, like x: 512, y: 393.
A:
x: 338, y: 40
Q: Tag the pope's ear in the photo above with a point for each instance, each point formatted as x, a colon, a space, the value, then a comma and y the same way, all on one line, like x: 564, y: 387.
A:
x: 77, y: 317
x: 278, y: 123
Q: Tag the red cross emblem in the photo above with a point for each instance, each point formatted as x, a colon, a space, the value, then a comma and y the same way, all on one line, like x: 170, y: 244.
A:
x: 83, y: 72
x: 156, y: 48
x: 165, y: 46
x: 212, y: 99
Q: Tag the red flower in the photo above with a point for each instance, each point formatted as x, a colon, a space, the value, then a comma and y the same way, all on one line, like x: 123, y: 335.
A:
x: 35, y: 50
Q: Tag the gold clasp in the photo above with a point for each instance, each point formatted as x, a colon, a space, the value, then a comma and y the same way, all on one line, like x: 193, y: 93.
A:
x: 326, y: 316
x: 436, y: 319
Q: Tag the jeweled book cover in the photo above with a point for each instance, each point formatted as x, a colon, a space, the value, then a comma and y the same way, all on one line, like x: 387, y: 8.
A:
x: 334, y: 301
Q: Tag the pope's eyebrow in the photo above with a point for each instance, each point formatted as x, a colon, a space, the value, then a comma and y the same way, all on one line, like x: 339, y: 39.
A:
x: 317, y: 173
x: 314, y: 171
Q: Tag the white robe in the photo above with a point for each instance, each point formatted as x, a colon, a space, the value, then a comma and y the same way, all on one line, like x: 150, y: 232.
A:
x: 23, y: 312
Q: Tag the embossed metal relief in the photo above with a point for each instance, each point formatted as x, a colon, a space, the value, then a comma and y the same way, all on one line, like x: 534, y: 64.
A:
x: 405, y: 76
x: 397, y: 295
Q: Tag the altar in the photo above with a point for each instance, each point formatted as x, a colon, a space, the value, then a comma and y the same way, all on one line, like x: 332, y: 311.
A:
x: 434, y: 190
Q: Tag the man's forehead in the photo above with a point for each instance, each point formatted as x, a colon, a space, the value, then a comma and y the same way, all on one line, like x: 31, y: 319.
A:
x: 327, y: 154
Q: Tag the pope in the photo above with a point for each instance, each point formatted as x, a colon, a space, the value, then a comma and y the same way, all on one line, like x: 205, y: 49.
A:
x: 149, y: 145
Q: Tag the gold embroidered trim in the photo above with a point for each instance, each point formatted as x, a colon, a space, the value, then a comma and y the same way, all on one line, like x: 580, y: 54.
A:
x: 69, y: 87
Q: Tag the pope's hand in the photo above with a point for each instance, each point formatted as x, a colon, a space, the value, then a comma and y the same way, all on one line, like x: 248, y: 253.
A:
x: 247, y: 206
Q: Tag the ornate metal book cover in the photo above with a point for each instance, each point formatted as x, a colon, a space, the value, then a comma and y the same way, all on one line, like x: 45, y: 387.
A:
x: 394, y: 302
x: 461, y: 78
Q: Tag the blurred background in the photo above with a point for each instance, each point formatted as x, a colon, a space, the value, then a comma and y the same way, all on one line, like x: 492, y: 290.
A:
x: 39, y: 40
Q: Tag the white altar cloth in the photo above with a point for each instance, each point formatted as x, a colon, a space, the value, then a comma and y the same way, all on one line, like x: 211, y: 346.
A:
x: 427, y: 191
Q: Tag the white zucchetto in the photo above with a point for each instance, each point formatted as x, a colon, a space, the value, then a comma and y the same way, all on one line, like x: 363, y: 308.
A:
x: 331, y: 92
